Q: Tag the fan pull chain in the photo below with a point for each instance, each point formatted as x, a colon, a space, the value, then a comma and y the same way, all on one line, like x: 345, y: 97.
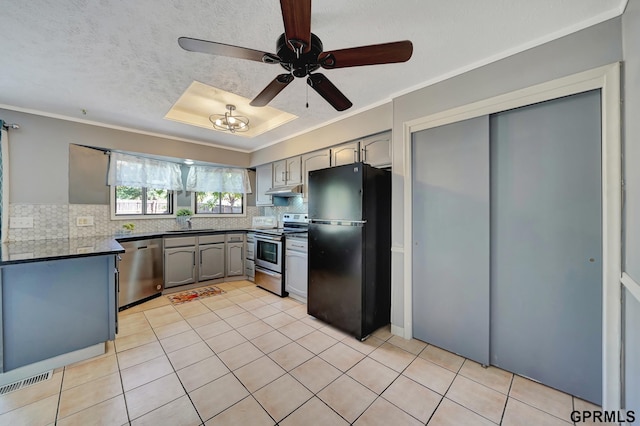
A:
x: 307, y: 95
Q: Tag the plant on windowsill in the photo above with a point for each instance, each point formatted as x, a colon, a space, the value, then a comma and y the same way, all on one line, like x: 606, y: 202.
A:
x: 183, y: 216
x: 127, y: 229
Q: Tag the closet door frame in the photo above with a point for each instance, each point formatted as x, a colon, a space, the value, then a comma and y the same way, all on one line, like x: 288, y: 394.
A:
x: 607, y: 79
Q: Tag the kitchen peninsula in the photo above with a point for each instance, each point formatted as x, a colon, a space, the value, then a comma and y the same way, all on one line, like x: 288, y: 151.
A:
x: 58, y: 303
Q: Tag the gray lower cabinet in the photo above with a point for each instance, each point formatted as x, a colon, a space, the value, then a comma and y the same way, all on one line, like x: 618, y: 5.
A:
x: 179, y: 266
x: 52, y: 308
x: 211, y: 261
x: 202, y: 258
x: 296, y: 280
x: 235, y: 259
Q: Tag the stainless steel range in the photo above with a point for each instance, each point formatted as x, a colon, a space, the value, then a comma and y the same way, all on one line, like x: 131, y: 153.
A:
x: 270, y: 250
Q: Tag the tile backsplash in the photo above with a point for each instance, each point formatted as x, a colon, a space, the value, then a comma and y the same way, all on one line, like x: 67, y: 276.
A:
x: 52, y: 221
x: 295, y: 206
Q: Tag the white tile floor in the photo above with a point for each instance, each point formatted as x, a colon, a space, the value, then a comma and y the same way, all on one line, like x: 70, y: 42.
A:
x: 248, y: 357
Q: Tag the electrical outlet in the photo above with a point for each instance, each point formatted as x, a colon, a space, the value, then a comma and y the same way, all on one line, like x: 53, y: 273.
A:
x: 20, y: 222
x: 84, y: 221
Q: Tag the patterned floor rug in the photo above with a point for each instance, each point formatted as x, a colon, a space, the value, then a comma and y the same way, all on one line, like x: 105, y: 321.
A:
x: 198, y: 293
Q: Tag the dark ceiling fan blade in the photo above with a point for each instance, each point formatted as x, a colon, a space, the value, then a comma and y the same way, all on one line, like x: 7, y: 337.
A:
x: 272, y: 90
x: 386, y: 53
x: 296, y: 15
x: 328, y: 91
x: 204, y: 46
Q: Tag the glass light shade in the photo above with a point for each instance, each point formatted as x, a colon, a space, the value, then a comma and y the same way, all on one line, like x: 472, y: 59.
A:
x: 228, y: 122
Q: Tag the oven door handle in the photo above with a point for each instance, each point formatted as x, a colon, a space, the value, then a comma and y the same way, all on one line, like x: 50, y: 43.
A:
x: 266, y: 238
x: 266, y: 272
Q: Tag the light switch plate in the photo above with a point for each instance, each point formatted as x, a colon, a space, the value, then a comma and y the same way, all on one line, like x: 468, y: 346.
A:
x: 20, y: 222
x: 84, y: 221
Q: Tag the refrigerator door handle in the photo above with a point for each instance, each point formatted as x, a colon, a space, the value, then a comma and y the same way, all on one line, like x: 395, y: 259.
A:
x: 338, y: 222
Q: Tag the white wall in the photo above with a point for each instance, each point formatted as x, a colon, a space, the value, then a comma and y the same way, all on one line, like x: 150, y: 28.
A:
x: 39, y: 153
x: 592, y: 47
x: 631, y: 108
x: 631, y: 111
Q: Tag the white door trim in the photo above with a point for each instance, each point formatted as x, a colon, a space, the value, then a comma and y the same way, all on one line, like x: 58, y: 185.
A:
x: 606, y: 78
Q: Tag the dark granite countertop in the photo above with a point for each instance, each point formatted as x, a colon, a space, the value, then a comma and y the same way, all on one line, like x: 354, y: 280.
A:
x: 68, y: 248
x: 56, y: 249
x: 181, y: 233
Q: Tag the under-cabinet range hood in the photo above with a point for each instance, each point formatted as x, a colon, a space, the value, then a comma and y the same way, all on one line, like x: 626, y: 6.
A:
x: 285, y: 191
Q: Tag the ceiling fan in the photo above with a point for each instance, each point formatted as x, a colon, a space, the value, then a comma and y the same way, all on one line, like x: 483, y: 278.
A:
x: 300, y: 52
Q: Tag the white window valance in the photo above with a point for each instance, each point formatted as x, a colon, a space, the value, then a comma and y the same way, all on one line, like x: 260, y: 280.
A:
x: 218, y: 179
x: 129, y: 170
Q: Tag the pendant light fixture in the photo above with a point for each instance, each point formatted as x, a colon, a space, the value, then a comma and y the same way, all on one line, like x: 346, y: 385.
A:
x: 228, y: 122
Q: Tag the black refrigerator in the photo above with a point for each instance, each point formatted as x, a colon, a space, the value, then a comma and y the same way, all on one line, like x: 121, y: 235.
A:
x: 350, y: 248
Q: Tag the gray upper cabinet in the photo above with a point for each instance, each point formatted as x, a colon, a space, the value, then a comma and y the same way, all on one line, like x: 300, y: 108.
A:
x: 279, y: 173
x: 345, y: 154
x: 294, y: 170
x: 287, y: 172
x: 264, y: 181
x: 314, y: 161
x: 376, y: 150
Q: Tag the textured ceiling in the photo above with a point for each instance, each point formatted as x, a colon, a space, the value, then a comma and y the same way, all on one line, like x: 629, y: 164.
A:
x: 121, y: 63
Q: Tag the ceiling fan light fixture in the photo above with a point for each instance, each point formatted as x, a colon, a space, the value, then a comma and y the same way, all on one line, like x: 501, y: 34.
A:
x: 228, y: 122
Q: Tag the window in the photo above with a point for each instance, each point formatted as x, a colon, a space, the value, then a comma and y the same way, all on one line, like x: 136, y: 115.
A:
x: 131, y: 200
x: 219, y: 203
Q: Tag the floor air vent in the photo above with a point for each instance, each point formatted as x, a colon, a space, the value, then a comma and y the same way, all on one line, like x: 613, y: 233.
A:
x: 25, y: 382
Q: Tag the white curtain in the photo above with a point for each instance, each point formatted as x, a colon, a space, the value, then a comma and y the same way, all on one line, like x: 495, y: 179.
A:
x: 129, y: 170
x: 218, y: 179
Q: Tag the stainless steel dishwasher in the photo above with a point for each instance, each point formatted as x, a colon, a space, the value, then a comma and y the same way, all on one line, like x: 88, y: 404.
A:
x: 140, y: 271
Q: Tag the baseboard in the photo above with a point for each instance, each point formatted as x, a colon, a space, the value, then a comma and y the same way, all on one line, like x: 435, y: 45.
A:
x: 397, y: 331
x: 51, y: 363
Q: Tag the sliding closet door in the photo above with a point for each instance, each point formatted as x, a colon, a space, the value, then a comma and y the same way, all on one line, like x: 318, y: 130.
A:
x: 546, y: 243
x: 451, y: 237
